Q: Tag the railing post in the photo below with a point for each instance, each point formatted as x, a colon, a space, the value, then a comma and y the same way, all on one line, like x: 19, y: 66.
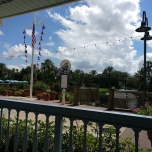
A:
x: 76, y: 96
x: 58, y: 134
x: 111, y: 99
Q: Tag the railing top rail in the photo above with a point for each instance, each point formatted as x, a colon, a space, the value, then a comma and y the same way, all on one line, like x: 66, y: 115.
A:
x: 107, y: 117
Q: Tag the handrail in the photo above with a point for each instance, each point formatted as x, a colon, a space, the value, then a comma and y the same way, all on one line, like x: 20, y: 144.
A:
x: 107, y: 117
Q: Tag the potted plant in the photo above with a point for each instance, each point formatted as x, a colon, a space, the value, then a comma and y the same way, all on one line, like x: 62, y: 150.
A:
x: 2, y: 88
x: 26, y: 92
x: 10, y: 92
x: 39, y: 96
x: 17, y: 93
x: 39, y: 87
x: 52, y: 95
x: 44, y: 93
x: 5, y: 93
x: 145, y: 110
x: 47, y: 95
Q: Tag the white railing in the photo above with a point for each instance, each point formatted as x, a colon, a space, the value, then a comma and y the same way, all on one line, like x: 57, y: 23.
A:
x: 118, y: 120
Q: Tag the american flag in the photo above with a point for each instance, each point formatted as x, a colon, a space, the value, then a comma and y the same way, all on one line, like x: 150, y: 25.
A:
x: 33, y: 37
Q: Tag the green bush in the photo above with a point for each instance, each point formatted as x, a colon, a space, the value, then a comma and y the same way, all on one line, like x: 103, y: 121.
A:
x: 103, y: 90
x: 108, y: 138
x: 2, y: 88
x: 68, y: 97
x: 39, y: 85
x: 17, y: 93
x: 23, y: 86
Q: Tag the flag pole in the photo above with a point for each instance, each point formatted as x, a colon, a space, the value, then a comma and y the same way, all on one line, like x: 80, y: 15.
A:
x: 31, y: 81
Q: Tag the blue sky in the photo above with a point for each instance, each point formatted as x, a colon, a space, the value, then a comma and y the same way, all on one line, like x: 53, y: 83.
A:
x: 77, y: 25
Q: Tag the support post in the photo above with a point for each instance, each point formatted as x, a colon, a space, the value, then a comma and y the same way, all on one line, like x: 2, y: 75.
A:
x: 111, y: 99
x: 63, y: 96
x: 76, y: 96
x: 144, y: 100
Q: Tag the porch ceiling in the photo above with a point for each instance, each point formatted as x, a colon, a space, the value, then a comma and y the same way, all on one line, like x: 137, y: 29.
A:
x: 10, y: 8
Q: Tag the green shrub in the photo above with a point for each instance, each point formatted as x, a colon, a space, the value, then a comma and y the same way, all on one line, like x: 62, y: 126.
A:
x: 103, y: 90
x: 68, y: 97
x: 17, y: 93
x: 23, y: 86
x: 108, y: 138
x: 39, y: 85
x: 2, y: 88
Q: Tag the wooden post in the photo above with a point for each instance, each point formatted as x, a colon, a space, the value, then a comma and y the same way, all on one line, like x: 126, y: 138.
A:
x: 111, y: 99
x: 76, y: 96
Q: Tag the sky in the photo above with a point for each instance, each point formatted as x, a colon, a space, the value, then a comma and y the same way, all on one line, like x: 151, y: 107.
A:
x: 91, y: 34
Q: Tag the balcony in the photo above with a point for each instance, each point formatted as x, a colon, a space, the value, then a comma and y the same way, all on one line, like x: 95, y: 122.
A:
x: 57, y: 114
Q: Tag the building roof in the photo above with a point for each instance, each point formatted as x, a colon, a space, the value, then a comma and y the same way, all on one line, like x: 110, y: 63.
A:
x: 9, y: 8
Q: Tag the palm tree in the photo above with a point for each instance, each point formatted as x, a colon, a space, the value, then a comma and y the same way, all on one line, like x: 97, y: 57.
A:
x: 93, y: 74
x: 76, y: 79
x: 48, y: 65
x: 108, y: 72
x: 49, y: 72
x: 125, y: 76
x: 3, y: 69
x: 139, y: 74
x: 149, y: 68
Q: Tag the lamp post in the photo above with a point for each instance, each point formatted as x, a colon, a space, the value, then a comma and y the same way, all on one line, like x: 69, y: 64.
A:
x: 144, y: 28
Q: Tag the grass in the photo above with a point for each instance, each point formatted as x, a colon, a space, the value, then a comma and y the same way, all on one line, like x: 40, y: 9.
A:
x: 103, y: 90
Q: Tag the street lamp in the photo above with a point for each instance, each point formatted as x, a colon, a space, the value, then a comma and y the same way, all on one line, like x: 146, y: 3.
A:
x: 144, y: 28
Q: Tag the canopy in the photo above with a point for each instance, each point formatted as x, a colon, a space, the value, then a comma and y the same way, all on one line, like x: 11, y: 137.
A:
x: 10, y: 8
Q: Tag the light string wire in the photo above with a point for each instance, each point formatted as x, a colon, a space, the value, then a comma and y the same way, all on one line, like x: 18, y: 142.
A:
x: 75, y: 48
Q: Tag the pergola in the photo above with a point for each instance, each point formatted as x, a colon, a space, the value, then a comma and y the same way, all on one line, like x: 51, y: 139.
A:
x: 9, y: 8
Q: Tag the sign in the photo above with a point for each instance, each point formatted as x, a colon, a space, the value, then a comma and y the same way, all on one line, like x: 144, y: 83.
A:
x: 120, y: 95
x: 65, y: 65
x: 64, y: 81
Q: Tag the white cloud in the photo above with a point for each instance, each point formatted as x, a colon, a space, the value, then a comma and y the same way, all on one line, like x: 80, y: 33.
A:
x: 13, y: 66
x: 98, y: 22
x: 1, y: 33
x: 16, y: 51
x: 50, y: 43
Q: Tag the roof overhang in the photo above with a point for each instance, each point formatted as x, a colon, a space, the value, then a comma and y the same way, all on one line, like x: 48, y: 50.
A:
x: 9, y: 8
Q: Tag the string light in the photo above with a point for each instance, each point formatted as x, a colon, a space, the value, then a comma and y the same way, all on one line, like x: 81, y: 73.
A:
x: 40, y: 48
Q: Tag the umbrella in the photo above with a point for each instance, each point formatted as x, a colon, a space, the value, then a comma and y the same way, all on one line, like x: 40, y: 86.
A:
x: 15, y: 81
x: 7, y: 80
x: 25, y: 81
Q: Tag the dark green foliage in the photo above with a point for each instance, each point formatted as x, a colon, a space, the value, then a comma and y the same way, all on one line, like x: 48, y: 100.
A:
x: 108, y: 138
x: 2, y: 88
x: 23, y: 86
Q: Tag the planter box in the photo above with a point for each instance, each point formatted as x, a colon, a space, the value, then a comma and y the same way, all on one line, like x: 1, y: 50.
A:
x: 52, y: 96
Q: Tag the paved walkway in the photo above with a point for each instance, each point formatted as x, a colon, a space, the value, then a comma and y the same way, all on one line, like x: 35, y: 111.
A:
x: 125, y: 132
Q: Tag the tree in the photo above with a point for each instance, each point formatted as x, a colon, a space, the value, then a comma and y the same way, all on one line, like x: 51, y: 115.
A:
x: 76, y: 78
x: 149, y: 68
x: 139, y: 75
x: 93, y: 74
x: 49, y: 72
x: 3, y: 70
x: 108, y: 72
